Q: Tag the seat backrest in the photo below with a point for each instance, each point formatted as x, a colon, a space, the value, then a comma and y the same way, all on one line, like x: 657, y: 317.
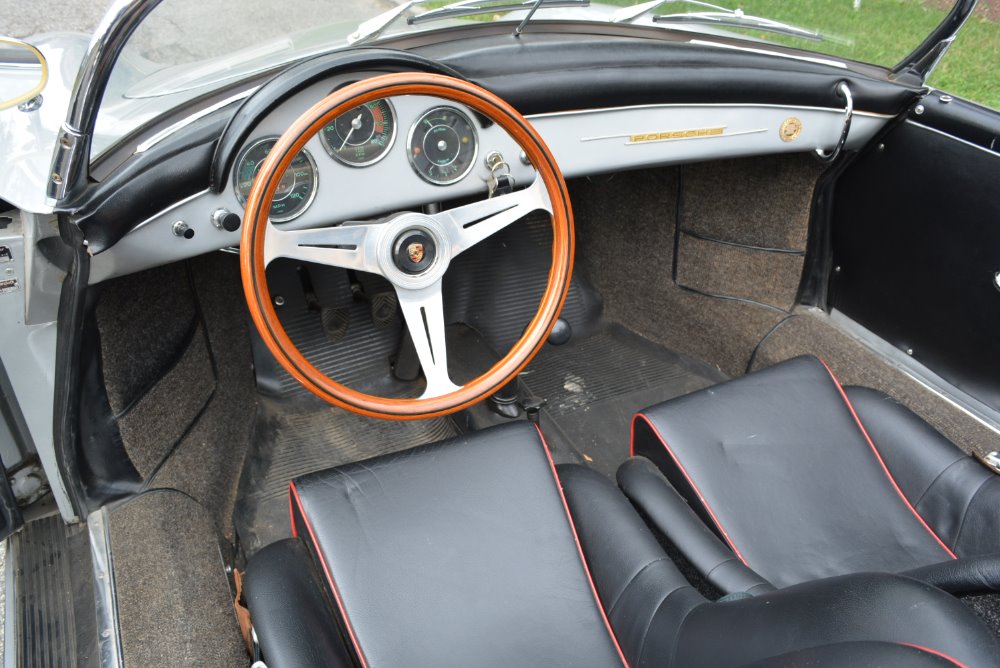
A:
x: 458, y: 553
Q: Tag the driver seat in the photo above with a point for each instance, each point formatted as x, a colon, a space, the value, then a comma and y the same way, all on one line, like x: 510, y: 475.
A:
x: 476, y: 551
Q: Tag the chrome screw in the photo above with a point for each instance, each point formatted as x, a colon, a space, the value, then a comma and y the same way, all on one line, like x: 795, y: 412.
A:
x: 919, y: 109
x: 279, y: 300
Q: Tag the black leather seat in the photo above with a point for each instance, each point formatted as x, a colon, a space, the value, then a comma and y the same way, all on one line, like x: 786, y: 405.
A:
x: 804, y: 479
x: 465, y: 553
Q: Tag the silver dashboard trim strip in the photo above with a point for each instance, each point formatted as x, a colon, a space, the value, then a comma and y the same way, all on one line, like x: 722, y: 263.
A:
x: 714, y: 105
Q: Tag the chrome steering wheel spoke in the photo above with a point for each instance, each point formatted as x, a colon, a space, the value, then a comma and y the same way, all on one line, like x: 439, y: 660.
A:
x: 468, y: 225
x: 423, y: 311
x: 350, y: 245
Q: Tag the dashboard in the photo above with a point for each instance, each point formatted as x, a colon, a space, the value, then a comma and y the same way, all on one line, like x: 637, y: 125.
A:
x: 414, y: 151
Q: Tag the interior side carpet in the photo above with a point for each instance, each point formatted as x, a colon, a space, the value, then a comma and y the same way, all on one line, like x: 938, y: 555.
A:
x: 295, y: 437
x: 594, y: 385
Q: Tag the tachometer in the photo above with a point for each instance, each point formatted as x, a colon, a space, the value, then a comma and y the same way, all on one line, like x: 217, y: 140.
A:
x: 362, y: 136
x: 295, y: 191
x: 442, y: 146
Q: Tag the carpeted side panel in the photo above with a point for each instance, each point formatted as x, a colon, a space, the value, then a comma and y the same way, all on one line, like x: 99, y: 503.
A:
x: 206, y: 463
x: 156, y: 361
x: 811, y: 333
x: 174, y: 604
x: 762, y: 201
x: 152, y: 426
x: 145, y: 320
x: 768, y: 277
x: 743, y: 226
x: 625, y: 241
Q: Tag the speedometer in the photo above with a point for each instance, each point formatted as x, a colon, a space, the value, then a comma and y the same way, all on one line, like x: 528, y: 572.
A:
x: 362, y: 136
x: 442, y: 146
x: 295, y: 191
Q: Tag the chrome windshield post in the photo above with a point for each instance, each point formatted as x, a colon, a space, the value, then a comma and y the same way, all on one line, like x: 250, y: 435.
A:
x: 72, y: 152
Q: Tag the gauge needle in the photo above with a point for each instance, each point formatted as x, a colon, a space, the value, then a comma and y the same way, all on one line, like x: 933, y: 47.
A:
x: 355, y: 125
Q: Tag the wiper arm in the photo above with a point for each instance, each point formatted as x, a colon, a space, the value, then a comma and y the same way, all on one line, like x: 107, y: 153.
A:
x: 474, y: 7
x: 721, y: 16
x: 374, y: 26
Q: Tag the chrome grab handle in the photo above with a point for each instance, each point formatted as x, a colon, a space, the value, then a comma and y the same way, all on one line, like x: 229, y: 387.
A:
x: 845, y: 92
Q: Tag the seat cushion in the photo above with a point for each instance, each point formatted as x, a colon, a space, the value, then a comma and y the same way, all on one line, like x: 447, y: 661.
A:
x: 859, y: 619
x: 779, y: 465
x: 455, y: 554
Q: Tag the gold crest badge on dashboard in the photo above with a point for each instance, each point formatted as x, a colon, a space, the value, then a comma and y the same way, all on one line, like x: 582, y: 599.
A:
x: 790, y: 129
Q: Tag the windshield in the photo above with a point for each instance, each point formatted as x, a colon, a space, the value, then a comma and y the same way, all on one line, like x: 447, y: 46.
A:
x: 185, y: 49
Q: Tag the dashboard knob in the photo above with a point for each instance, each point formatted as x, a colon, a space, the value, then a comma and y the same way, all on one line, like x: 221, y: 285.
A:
x: 224, y: 219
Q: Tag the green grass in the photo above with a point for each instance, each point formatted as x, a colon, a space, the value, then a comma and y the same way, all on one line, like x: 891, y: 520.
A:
x: 884, y: 32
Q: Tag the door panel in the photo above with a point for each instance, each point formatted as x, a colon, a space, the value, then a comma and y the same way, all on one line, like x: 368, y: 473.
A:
x: 916, y: 242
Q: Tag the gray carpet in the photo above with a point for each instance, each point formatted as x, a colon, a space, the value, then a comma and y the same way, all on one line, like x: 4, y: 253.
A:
x: 155, y: 359
x: 174, y: 603
x: 768, y: 277
x: 762, y: 201
x: 207, y: 461
x: 625, y: 241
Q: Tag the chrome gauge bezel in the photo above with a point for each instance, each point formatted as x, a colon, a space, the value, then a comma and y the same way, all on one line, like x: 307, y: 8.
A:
x: 392, y: 140
x: 475, y: 144
x: 243, y: 200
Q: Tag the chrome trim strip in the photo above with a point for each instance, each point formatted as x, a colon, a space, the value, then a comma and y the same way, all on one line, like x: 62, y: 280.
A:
x: 109, y: 647
x: 714, y: 105
x: 10, y: 635
x: 953, y: 137
x: 933, y: 383
x: 184, y: 122
x: 157, y: 216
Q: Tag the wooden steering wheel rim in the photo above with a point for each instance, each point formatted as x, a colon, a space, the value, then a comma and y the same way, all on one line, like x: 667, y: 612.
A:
x: 280, y: 158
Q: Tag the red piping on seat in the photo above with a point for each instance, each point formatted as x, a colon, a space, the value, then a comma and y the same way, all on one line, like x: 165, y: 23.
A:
x: 935, y: 653
x: 579, y: 548
x: 294, y: 497
x: 690, y: 481
x: 885, y: 468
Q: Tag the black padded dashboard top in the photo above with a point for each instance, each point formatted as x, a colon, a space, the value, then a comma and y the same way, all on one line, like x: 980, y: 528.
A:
x: 556, y: 68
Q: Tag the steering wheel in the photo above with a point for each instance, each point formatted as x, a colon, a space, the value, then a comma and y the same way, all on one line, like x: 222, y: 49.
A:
x: 378, y: 247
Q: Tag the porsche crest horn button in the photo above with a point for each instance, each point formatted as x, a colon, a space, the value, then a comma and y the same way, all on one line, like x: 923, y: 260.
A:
x: 414, y: 251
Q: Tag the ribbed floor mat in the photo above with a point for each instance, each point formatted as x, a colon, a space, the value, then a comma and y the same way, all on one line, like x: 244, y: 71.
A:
x: 594, y: 385
x: 54, y: 622
x: 296, y: 438
x: 494, y: 288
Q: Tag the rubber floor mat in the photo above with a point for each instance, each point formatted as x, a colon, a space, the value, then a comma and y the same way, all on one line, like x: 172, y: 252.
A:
x: 595, y: 384
x: 296, y: 437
